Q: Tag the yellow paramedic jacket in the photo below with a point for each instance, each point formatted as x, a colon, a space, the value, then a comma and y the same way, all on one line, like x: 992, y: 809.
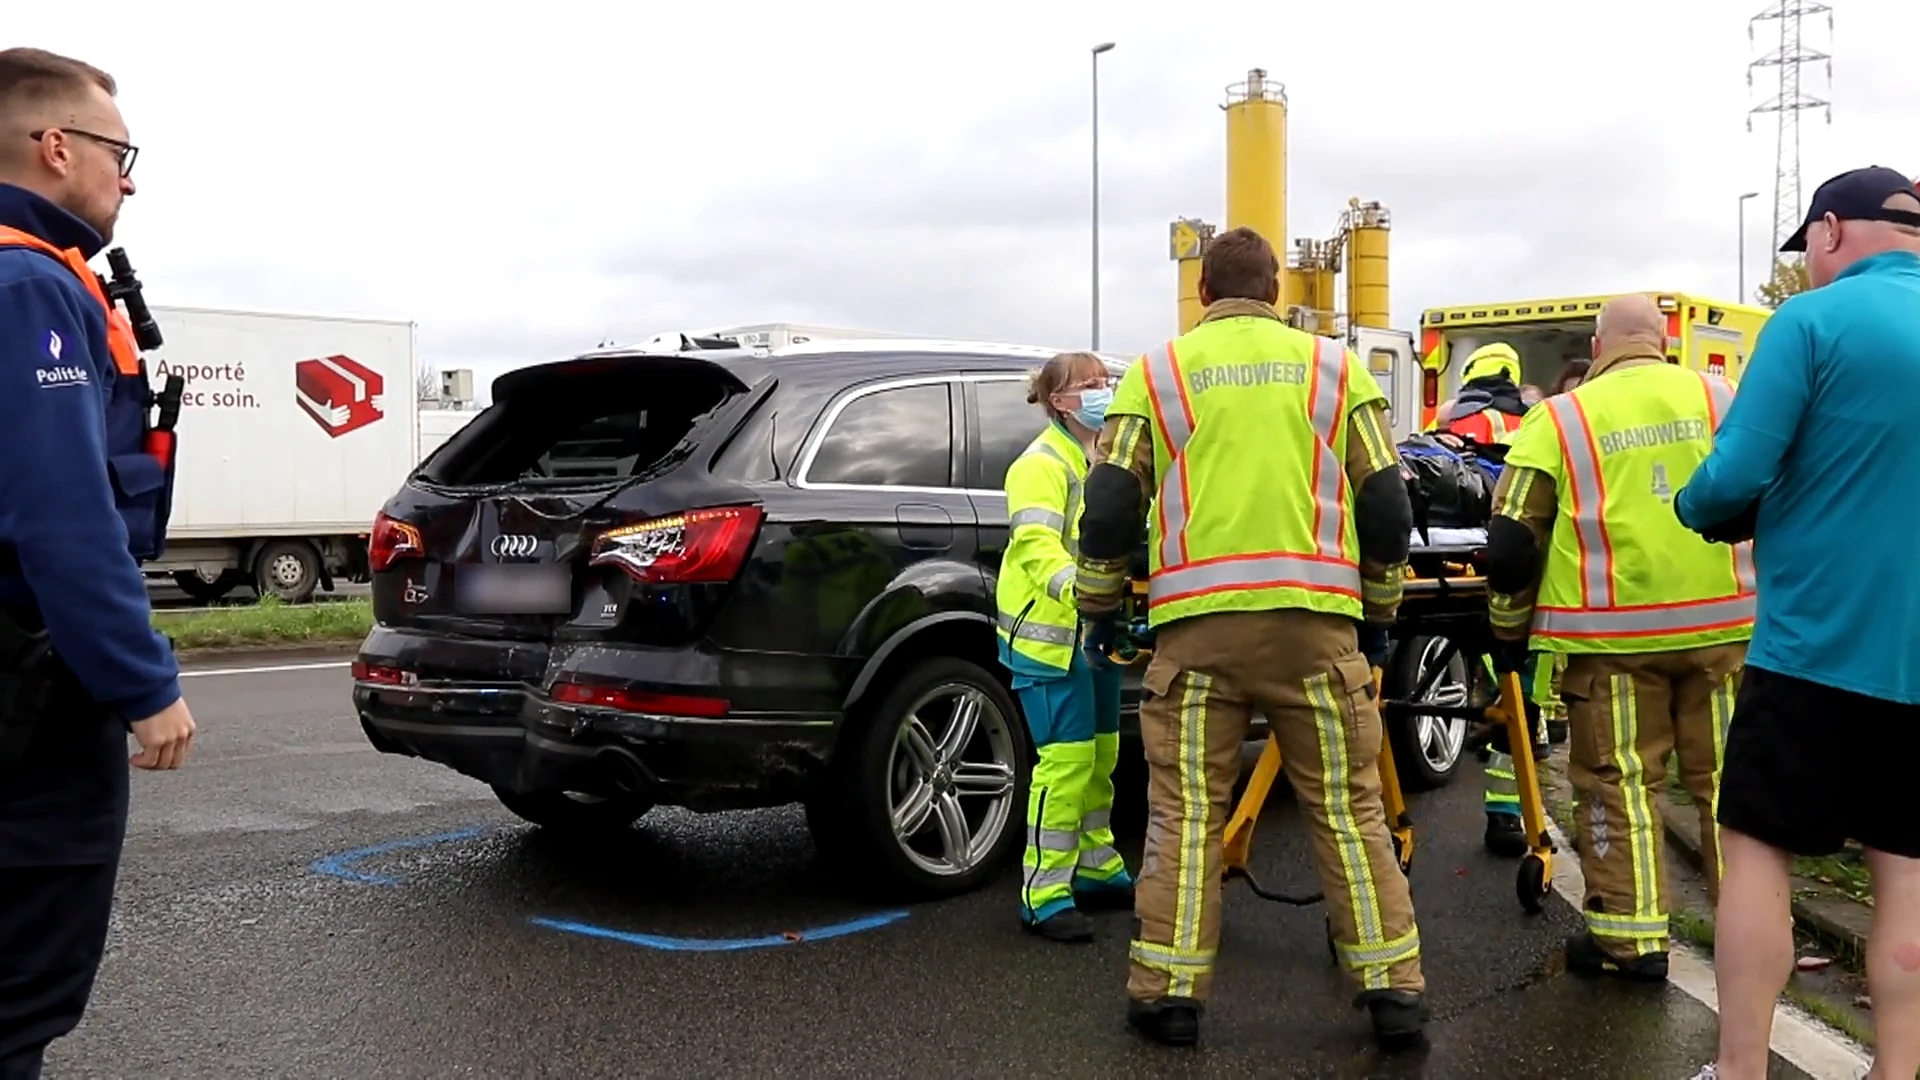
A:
x: 1127, y: 441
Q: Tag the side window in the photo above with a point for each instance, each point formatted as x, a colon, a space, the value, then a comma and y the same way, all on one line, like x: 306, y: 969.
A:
x: 1007, y: 425
x: 893, y: 438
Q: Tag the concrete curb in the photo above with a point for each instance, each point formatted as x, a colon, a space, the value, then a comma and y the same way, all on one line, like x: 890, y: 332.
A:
x: 1836, y: 920
x: 292, y: 652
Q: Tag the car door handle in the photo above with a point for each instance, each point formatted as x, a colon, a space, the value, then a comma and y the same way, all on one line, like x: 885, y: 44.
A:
x: 924, y: 526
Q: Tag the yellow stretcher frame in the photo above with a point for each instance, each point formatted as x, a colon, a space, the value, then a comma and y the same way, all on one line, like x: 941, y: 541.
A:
x: 1532, y: 881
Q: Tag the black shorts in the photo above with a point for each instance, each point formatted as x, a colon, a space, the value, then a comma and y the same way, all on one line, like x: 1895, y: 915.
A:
x: 1809, y: 767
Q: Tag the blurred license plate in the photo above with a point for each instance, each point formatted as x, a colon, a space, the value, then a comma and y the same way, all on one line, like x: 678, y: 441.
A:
x: 514, y: 589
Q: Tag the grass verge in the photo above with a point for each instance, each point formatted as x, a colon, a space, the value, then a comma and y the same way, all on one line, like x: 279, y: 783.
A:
x: 1846, y: 871
x: 268, y: 622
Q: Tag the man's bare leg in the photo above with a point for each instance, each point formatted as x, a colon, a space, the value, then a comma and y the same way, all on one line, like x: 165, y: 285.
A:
x: 1893, y: 965
x: 1752, y: 951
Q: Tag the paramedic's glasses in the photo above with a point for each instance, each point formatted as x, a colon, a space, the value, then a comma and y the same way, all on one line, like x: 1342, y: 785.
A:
x: 125, y: 151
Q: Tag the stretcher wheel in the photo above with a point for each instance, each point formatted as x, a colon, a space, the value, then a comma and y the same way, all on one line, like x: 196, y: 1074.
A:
x: 1531, y: 883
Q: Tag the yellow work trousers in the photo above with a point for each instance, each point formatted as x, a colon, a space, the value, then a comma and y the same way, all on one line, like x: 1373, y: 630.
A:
x: 1304, y: 672
x: 1627, y: 713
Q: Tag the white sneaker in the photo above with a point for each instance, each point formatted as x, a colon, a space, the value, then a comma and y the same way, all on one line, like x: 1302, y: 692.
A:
x: 1707, y: 1072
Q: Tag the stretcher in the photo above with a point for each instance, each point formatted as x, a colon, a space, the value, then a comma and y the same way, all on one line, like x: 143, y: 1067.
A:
x: 1445, y: 596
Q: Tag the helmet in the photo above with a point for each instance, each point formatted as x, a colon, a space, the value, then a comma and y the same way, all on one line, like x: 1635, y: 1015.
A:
x: 1495, y: 359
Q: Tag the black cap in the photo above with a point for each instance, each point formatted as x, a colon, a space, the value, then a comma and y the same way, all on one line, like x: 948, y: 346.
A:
x: 1859, y: 195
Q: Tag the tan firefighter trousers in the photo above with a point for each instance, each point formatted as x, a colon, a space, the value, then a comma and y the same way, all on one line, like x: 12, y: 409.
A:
x: 1304, y: 672
x: 1627, y: 713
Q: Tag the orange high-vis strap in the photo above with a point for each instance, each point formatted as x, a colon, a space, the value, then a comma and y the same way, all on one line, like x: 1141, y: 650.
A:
x: 1598, y: 616
x: 1326, y: 569
x: 120, y: 341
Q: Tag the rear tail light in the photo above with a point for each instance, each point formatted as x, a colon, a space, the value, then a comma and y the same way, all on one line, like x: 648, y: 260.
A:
x: 640, y: 701
x: 383, y: 674
x: 392, y: 541
x: 1430, y: 388
x: 699, y: 546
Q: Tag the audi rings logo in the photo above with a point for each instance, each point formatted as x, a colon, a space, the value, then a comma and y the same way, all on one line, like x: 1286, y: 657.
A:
x: 514, y: 547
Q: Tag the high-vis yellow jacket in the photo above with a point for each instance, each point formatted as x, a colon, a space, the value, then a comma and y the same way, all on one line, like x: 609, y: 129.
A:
x: 1038, y: 622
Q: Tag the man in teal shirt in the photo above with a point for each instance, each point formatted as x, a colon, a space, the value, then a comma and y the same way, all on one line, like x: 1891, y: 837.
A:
x: 1818, y: 460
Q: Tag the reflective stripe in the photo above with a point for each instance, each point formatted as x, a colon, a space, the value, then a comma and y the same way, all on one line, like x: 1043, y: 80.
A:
x: 1170, y: 960
x: 1589, y: 499
x: 1719, y: 400
x: 1196, y: 803
x: 1652, y: 619
x: 1507, y: 612
x: 1363, y: 898
x: 1095, y: 820
x: 1057, y: 585
x: 1627, y: 926
x: 1053, y: 877
x: 1037, y: 515
x: 1033, y: 631
x: 1642, y: 844
x: 1054, y: 840
x: 1097, y: 858
x: 1380, y: 957
x: 1061, y: 522
x: 1253, y: 572
x: 1173, y: 414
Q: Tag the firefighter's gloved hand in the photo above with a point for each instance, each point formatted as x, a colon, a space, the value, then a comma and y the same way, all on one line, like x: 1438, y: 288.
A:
x: 1508, y: 657
x: 1375, y: 644
x: 1097, y: 640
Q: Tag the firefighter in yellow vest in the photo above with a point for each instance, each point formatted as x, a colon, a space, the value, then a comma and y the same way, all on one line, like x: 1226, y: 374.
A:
x: 1071, y: 700
x: 1586, y: 558
x: 1279, y: 522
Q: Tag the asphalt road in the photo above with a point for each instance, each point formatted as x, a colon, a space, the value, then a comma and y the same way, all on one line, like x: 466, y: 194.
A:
x: 296, y: 905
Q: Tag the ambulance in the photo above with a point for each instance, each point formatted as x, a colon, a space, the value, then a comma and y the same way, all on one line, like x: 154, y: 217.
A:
x: 1705, y: 335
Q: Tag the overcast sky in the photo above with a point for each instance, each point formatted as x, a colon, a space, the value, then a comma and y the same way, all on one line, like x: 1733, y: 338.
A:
x: 524, y: 186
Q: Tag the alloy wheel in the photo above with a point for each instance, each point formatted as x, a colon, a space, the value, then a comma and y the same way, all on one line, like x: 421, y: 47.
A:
x: 950, y: 779
x: 1440, y: 738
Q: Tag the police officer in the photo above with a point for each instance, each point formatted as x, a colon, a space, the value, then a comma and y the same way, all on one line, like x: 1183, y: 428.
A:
x: 1280, y: 520
x: 80, y: 496
x: 1653, y: 619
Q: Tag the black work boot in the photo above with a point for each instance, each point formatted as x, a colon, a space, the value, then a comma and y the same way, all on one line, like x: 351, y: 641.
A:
x: 1506, y: 837
x: 1067, y: 925
x: 1104, y: 897
x: 1585, y: 956
x: 1398, y: 1018
x: 1169, y: 1021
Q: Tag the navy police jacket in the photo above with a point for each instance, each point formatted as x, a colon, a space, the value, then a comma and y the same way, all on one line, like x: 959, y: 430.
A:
x: 81, y: 499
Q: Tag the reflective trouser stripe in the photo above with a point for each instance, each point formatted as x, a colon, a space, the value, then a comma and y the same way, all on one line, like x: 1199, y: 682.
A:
x: 1336, y: 762
x: 1641, y: 820
x: 1053, y: 828
x: 1503, y: 790
x: 1196, y: 804
x: 1179, y: 964
x: 1648, y: 934
x: 1098, y: 859
x: 1722, y: 706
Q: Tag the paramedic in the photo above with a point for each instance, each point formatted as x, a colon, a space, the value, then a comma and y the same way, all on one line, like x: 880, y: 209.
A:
x: 70, y: 433
x: 1071, y: 699
x: 1255, y: 611
x: 1817, y: 448
x: 1653, y: 620
x: 1489, y: 406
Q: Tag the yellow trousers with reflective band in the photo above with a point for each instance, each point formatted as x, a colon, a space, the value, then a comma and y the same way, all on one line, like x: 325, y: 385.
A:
x: 1628, y: 713
x: 1303, y: 670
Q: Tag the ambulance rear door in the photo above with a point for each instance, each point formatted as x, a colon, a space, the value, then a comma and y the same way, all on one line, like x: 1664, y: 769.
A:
x: 1388, y: 355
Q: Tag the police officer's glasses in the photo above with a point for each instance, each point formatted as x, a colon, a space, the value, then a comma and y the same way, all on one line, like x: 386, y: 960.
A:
x: 125, y: 151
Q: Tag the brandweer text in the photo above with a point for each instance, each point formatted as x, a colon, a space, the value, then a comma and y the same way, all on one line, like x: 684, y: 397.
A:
x: 1261, y: 374
x: 1635, y: 438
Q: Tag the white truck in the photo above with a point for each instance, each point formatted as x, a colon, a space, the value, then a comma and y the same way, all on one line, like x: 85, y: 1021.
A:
x: 294, y: 429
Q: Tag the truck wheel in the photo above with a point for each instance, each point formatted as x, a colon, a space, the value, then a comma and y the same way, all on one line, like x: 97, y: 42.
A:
x: 930, y: 793
x: 199, y: 588
x: 1426, y: 749
x: 288, y: 570
x: 564, y: 811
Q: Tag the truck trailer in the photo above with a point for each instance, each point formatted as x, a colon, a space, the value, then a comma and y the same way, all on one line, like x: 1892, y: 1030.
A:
x: 294, y: 429
x: 1706, y: 335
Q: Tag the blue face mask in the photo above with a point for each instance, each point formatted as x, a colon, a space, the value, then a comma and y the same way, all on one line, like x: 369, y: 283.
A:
x: 1093, y: 408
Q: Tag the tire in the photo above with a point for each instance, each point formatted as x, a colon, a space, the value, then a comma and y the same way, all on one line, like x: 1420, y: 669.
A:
x: 564, y: 811
x: 288, y: 570
x: 199, y: 588
x: 1426, y: 749
x: 898, y: 758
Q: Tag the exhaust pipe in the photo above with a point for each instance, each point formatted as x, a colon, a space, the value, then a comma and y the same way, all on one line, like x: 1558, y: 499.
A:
x: 624, y: 768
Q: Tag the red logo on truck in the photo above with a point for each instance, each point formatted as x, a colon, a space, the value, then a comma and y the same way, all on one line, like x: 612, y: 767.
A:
x: 339, y: 392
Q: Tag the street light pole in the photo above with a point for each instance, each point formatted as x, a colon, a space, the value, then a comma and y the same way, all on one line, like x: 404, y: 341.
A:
x: 1097, y: 50
x: 1743, y: 243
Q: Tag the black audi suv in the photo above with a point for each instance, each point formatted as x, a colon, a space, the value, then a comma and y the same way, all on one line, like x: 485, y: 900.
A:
x: 723, y: 579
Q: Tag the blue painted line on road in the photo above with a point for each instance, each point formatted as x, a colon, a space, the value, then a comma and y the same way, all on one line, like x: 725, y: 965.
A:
x: 341, y: 865
x: 689, y: 944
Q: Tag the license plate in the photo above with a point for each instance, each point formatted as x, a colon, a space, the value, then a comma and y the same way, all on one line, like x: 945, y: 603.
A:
x: 513, y: 589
